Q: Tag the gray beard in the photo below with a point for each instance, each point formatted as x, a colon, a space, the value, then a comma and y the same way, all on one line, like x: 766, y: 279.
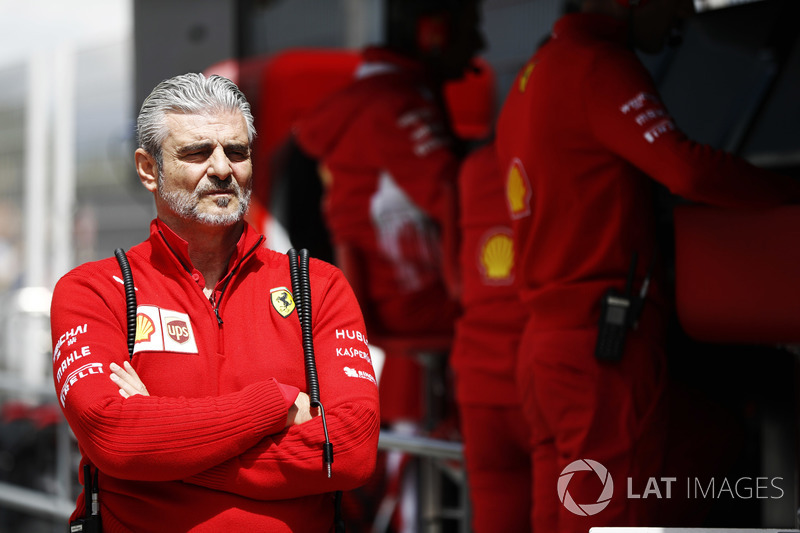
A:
x: 185, y: 203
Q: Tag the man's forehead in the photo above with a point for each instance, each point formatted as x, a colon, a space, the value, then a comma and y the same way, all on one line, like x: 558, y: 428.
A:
x: 222, y: 126
x: 234, y: 118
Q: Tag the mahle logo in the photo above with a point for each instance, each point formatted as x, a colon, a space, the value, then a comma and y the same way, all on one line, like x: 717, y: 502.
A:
x: 585, y: 509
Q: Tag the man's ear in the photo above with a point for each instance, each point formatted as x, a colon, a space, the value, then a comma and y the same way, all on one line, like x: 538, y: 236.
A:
x: 147, y: 169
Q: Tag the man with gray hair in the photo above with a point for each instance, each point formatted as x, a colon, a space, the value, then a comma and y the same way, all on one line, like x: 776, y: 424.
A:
x: 205, y: 421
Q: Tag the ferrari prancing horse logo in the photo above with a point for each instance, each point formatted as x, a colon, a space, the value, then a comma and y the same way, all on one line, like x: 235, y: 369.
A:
x: 282, y: 301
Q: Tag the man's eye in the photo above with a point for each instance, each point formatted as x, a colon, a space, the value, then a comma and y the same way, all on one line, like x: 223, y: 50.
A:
x: 238, y: 156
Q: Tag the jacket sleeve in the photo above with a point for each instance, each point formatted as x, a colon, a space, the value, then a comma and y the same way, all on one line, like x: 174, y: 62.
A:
x: 142, y: 438
x: 420, y: 152
x: 290, y: 463
x: 626, y: 113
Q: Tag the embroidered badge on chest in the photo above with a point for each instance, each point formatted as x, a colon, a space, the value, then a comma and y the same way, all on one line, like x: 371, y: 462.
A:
x: 282, y: 301
x: 163, y: 330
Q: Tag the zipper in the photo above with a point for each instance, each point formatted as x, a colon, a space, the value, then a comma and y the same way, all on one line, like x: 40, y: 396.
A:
x: 214, y: 306
x: 214, y: 301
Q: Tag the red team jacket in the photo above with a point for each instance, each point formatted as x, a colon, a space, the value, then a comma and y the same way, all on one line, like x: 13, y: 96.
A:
x: 207, y: 451
x: 581, y: 129
x: 386, y: 151
x: 489, y: 329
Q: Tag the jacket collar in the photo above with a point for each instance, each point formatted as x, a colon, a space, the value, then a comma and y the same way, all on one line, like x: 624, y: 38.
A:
x: 179, y: 248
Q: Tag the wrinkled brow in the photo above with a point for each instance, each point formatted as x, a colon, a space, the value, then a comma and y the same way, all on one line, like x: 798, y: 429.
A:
x: 208, y: 145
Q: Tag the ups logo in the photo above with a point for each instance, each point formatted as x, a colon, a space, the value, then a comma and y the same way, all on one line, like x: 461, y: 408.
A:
x: 178, y: 331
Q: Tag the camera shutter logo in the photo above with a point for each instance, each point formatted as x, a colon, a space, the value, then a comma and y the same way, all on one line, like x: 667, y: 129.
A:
x: 585, y: 509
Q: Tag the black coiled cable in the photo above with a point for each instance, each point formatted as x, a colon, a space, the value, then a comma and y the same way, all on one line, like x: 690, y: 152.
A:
x: 130, y: 298
x: 312, y: 379
x: 301, y: 288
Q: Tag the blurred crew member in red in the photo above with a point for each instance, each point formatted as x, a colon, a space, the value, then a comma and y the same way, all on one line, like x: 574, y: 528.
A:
x: 389, y: 162
x: 580, y: 136
x: 484, y: 354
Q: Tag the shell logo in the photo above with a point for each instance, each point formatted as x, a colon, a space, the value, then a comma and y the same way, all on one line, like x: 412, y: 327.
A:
x: 525, y: 76
x: 325, y: 175
x: 144, y: 328
x: 518, y: 190
x: 497, y: 258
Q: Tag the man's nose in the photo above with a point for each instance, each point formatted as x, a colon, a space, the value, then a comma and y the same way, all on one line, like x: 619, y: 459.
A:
x: 219, y: 165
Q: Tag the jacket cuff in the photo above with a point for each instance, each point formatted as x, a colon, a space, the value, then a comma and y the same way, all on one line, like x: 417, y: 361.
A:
x: 289, y: 393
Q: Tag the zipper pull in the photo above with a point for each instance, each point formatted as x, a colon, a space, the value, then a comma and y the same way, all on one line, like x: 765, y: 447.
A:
x: 213, y: 301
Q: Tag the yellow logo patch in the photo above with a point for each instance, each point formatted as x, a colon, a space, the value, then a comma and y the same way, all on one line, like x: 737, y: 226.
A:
x: 525, y: 76
x: 518, y: 190
x: 282, y: 301
x: 144, y: 328
x: 325, y: 175
x: 497, y: 256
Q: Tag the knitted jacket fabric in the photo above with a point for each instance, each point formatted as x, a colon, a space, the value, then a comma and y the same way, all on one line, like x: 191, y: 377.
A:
x: 207, y: 450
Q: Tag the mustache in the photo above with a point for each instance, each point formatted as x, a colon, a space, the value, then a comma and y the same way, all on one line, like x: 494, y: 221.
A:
x: 218, y: 185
